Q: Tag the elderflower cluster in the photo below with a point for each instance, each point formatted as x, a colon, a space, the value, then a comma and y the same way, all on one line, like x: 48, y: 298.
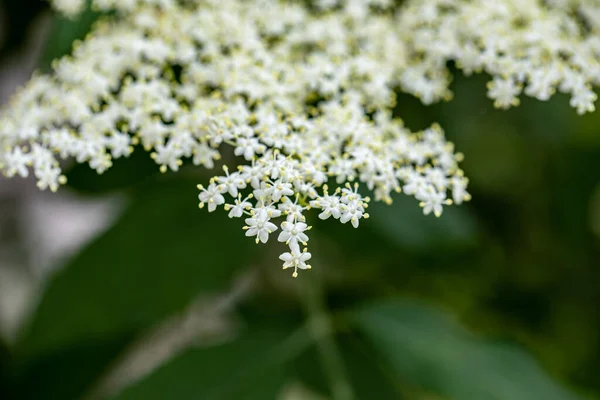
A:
x: 301, y: 92
x: 530, y: 46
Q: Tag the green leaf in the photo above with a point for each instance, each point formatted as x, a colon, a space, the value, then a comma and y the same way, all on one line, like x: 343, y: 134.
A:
x: 426, y: 348
x: 151, y: 263
x: 255, y: 366
x: 403, y: 224
x: 63, y: 33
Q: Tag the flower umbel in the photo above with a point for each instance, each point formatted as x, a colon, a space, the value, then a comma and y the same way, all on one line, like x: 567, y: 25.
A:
x: 302, y: 92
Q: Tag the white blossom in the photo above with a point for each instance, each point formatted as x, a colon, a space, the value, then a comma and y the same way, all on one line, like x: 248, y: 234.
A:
x: 292, y: 233
x: 70, y: 8
x: 302, y: 96
x: 237, y: 209
x: 260, y: 226
x: 230, y: 183
x: 17, y: 162
x: 295, y: 259
x: 504, y: 92
x: 329, y: 204
x: 211, y: 196
x: 433, y: 200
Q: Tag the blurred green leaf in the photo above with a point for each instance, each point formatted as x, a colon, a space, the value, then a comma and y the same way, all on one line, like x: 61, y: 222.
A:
x: 594, y: 211
x: 425, y: 348
x: 65, y: 374
x: 125, y: 173
x: 160, y: 254
x: 403, y: 224
x: 255, y: 366
x: 366, y: 376
x: 4, y: 371
x: 63, y: 33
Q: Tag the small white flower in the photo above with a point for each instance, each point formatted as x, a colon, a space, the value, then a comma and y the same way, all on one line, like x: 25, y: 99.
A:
x: 459, y: 190
x: 70, y: 8
x: 265, y: 191
x: 433, y: 201
x: 168, y: 156
x: 415, y: 183
x: 17, y: 162
x: 293, y: 210
x: 305, y: 188
x: 349, y: 193
x: 438, y: 178
x: 504, y: 92
x: 230, y: 183
x: 274, y: 164
x: 292, y: 233
x: 49, y: 177
x: 211, y: 196
x: 295, y: 259
x: 237, y: 210
x: 352, y: 211
x: 120, y: 144
x: 343, y: 170
x: 330, y: 204
x: 281, y: 189
x: 260, y: 227
x: 253, y: 174
x: 205, y: 156
x: 583, y: 99
x: 248, y: 147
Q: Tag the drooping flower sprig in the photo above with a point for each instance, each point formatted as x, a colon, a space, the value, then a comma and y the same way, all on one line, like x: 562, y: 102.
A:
x: 303, y: 92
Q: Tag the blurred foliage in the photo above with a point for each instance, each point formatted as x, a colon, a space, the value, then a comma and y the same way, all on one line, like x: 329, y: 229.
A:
x: 20, y: 15
x: 149, y: 265
x: 64, y: 33
x: 457, y: 231
x: 66, y: 373
x: 425, y: 348
x: 518, y: 265
x: 127, y: 173
x: 255, y: 365
x: 364, y: 369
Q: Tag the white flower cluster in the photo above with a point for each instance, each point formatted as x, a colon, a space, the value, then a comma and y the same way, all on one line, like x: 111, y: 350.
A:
x: 301, y: 91
x: 529, y: 46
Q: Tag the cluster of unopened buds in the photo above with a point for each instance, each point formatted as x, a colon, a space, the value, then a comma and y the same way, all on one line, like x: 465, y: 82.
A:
x: 303, y: 93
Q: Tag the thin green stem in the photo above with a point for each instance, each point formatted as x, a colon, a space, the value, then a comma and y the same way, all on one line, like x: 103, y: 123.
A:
x: 321, y: 328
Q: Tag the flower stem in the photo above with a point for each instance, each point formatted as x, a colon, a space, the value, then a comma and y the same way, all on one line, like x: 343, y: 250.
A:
x: 321, y: 327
